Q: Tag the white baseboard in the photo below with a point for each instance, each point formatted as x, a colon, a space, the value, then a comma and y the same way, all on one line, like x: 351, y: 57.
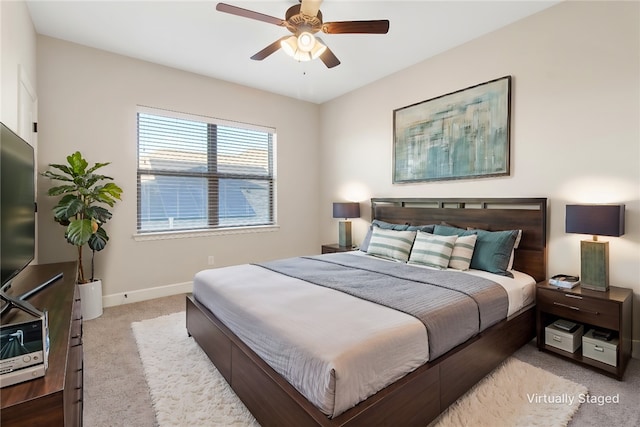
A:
x: 146, y: 294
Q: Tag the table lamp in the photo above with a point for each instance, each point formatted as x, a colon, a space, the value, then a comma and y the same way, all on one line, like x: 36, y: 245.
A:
x: 597, y: 220
x: 346, y: 211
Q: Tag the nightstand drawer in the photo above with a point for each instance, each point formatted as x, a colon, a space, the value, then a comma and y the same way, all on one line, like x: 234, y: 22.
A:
x: 580, y: 308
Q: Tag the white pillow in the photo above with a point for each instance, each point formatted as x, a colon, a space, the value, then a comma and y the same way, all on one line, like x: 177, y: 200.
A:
x: 432, y: 250
x: 391, y: 244
x: 462, y: 252
x: 515, y: 246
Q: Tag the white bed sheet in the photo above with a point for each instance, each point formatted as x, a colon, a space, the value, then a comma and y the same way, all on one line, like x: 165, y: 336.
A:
x: 335, y: 349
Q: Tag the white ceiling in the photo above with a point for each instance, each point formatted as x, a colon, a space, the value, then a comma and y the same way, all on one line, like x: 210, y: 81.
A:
x: 193, y: 36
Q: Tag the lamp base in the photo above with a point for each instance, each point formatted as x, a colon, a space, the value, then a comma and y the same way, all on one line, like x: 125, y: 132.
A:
x: 594, y: 265
x: 344, y: 234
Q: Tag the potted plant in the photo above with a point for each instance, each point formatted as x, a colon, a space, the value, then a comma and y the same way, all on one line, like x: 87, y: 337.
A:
x: 81, y: 209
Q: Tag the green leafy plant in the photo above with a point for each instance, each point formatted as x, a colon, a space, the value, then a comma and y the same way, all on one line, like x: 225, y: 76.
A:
x: 81, y: 208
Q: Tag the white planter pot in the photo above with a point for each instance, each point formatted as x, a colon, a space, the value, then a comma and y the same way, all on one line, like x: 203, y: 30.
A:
x: 91, y: 299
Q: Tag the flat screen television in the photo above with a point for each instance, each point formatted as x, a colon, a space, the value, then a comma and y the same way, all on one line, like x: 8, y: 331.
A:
x: 17, y: 204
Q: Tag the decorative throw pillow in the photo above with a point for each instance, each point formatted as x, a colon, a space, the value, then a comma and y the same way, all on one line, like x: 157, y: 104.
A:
x: 448, y: 230
x: 432, y: 250
x: 493, y: 251
x: 515, y: 246
x: 425, y: 228
x: 381, y: 224
x: 463, y: 252
x: 392, y: 244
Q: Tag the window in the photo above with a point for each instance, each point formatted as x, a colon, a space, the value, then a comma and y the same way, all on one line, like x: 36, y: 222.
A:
x: 198, y: 173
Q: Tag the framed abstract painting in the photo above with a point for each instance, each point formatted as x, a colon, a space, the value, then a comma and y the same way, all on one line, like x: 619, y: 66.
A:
x: 460, y: 135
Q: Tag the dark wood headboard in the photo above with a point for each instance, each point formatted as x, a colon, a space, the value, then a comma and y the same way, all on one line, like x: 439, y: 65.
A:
x: 494, y: 214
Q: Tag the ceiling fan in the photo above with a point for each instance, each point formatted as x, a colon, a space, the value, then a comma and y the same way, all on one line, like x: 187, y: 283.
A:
x: 304, y: 20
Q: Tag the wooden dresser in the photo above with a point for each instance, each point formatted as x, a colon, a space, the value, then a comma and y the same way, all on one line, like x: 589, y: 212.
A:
x: 56, y: 398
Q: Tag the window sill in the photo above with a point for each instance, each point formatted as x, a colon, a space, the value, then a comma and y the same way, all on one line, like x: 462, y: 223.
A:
x: 186, y: 234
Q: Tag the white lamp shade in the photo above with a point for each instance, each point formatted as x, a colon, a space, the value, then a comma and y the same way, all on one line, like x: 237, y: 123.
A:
x: 290, y: 45
x: 318, y: 50
x: 306, y: 41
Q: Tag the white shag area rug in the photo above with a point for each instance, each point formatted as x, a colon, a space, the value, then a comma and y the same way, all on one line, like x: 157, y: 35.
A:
x: 516, y: 394
x: 187, y: 390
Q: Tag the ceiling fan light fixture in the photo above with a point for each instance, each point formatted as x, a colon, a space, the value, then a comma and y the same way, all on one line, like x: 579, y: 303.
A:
x: 318, y: 49
x: 306, y: 41
x: 290, y: 45
x: 302, y: 56
x: 292, y: 48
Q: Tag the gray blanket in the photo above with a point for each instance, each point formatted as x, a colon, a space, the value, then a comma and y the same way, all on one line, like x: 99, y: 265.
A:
x: 453, y: 306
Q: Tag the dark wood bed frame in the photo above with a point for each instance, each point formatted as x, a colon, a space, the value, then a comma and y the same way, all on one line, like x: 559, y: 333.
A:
x: 420, y: 396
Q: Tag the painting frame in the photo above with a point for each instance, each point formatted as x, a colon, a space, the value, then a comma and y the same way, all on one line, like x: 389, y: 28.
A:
x: 464, y: 134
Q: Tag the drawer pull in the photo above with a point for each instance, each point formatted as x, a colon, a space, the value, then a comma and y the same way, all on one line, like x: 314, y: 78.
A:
x: 598, y: 348
x: 557, y: 338
x: 573, y: 296
x: 566, y: 306
x: 575, y: 308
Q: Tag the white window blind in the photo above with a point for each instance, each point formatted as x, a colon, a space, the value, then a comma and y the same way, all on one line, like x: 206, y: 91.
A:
x: 198, y: 173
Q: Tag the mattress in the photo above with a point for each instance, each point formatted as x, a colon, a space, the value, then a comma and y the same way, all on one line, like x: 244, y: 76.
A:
x: 334, y: 348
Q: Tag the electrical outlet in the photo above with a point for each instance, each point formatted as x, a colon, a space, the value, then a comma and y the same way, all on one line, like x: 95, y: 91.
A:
x: 211, y: 260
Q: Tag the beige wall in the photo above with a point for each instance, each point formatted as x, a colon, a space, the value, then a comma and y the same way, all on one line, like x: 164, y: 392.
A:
x: 575, y: 125
x: 17, y: 51
x: 88, y: 103
x: 18, y: 90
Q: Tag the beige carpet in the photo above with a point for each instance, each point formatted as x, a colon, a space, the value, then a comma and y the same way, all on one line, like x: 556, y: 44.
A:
x: 186, y: 390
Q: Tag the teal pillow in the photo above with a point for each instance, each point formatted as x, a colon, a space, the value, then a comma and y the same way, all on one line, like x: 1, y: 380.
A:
x: 448, y: 230
x: 425, y: 228
x: 493, y: 251
x: 389, y: 225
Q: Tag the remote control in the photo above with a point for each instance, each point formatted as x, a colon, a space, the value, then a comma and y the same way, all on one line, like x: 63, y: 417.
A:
x: 605, y: 335
x: 565, y: 325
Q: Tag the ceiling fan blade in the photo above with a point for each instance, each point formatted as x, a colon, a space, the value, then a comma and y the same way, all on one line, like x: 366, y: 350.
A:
x: 357, y: 27
x: 329, y: 59
x: 268, y: 50
x: 310, y: 7
x: 245, y: 13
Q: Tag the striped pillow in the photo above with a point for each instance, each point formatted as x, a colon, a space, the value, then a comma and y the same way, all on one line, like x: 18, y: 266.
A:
x: 364, y: 246
x: 392, y: 244
x: 432, y: 250
x: 462, y: 252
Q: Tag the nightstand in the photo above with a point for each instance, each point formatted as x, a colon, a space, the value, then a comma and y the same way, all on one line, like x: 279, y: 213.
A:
x: 609, y: 310
x: 334, y: 247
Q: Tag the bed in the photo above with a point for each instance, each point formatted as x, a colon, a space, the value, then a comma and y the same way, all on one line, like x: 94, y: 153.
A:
x: 413, y: 398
